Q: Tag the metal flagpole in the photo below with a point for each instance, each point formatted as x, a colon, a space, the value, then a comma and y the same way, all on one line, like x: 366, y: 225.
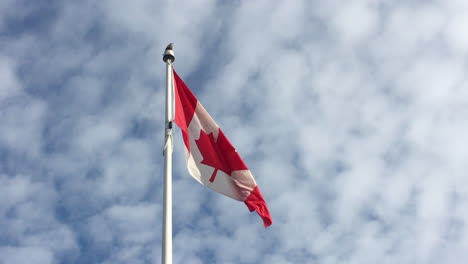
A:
x: 166, y: 255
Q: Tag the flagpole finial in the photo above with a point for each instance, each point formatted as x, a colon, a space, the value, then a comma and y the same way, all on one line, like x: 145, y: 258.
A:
x: 169, y: 53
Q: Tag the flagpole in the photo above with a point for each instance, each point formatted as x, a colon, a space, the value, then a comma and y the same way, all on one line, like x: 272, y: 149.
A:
x: 166, y: 254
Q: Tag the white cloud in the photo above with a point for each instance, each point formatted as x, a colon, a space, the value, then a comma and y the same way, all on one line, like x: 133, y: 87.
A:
x: 21, y: 114
x: 355, y: 21
x: 24, y: 255
x: 29, y: 224
x: 11, y: 86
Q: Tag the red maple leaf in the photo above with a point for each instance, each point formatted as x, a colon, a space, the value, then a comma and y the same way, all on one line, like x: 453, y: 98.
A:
x: 219, y: 154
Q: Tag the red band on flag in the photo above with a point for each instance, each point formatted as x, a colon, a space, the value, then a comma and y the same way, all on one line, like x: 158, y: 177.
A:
x: 255, y: 202
x: 185, y: 103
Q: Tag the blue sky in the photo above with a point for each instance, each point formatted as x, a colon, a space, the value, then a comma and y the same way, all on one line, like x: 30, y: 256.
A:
x: 350, y: 114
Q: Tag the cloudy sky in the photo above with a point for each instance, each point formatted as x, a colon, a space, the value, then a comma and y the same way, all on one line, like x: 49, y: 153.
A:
x: 352, y: 116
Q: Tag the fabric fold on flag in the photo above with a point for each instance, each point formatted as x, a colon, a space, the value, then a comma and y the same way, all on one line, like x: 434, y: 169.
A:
x: 211, y: 158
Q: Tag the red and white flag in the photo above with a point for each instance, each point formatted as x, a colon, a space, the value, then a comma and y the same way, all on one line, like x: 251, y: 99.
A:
x: 211, y: 159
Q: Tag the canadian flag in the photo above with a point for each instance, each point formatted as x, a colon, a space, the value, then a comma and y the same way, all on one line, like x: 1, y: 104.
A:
x: 211, y: 159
